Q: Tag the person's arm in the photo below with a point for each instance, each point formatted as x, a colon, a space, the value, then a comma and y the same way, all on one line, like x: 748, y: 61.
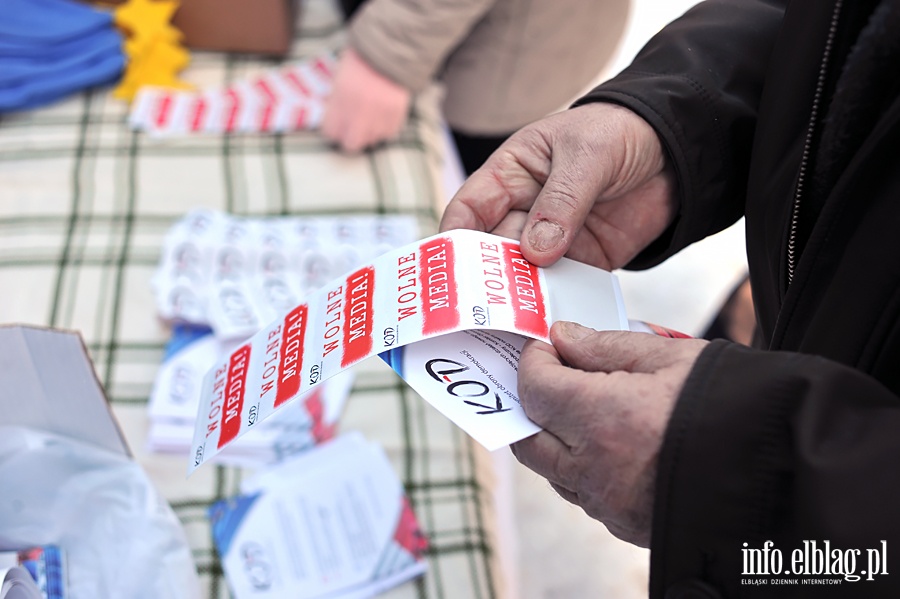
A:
x: 395, y: 49
x: 408, y: 40
x: 698, y: 83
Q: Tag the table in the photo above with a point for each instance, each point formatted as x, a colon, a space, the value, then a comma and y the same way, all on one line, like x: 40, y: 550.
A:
x: 84, y: 205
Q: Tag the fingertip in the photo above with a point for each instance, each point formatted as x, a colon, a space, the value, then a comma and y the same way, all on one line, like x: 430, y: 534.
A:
x: 605, y: 351
x: 545, y: 454
x: 584, y: 349
x: 535, y: 349
x: 351, y: 147
x: 537, y: 374
x: 328, y: 127
x: 457, y: 216
x: 544, y: 242
x: 354, y: 142
x: 564, y: 331
x: 546, y: 236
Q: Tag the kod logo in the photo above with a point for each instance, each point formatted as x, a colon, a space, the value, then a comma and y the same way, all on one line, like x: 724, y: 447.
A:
x: 256, y: 566
x: 444, y: 371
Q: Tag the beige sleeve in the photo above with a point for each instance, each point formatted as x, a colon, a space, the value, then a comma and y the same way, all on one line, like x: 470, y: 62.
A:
x: 408, y: 40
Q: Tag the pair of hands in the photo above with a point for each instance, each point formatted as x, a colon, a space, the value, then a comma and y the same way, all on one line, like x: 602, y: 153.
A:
x: 590, y: 183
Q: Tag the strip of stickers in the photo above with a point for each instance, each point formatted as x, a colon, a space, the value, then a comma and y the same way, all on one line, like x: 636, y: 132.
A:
x: 279, y: 100
x: 447, y: 283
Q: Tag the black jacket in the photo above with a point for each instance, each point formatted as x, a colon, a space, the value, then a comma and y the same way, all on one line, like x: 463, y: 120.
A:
x: 759, y: 103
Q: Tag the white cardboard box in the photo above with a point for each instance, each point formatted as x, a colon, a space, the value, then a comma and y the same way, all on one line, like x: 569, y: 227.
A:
x: 47, y: 382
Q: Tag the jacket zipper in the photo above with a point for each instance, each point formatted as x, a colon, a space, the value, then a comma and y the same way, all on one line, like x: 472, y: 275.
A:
x: 807, y: 145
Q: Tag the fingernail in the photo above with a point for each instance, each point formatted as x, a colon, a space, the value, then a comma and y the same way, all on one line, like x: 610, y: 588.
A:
x: 545, y: 235
x: 573, y: 331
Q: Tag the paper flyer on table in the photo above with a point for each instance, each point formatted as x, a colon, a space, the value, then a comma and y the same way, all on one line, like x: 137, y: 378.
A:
x: 446, y: 284
x: 333, y: 522
x: 471, y: 378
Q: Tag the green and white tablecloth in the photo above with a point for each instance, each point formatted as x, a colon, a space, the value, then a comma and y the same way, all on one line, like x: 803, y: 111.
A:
x: 84, y: 205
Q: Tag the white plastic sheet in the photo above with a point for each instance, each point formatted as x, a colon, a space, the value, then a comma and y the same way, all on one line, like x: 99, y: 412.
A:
x: 120, y: 537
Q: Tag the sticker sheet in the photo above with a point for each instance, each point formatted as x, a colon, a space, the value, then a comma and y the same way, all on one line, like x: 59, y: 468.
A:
x: 446, y: 284
x: 289, y: 98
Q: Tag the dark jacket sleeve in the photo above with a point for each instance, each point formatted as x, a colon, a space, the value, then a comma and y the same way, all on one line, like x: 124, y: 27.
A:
x: 781, y: 447
x: 698, y: 83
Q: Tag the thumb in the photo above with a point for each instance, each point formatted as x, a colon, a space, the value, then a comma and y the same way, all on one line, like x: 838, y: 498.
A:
x: 609, y: 351
x: 558, y: 214
x: 598, y: 151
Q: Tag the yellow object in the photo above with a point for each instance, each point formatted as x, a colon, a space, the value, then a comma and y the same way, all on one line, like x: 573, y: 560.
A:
x: 153, y: 46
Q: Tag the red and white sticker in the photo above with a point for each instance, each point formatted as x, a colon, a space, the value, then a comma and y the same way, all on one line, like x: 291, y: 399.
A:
x: 289, y: 98
x: 456, y: 281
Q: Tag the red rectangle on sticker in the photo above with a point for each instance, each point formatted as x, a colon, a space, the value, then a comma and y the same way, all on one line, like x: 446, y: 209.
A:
x: 437, y: 278
x: 358, y: 299
x: 291, y: 363
x: 301, y: 117
x: 163, y: 111
x: 232, y: 110
x: 320, y: 66
x: 235, y: 389
x: 269, y: 101
x: 524, y: 283
x: 199, y: 114
x: 294, y: 79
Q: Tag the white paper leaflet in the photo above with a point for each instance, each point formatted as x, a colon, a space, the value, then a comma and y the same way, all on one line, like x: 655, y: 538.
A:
x: 471, y: 378
x: 444, y: 284
x: 238, y: 274
x: 190, y: 353
x: 289, y: 98
x: 333, y: 522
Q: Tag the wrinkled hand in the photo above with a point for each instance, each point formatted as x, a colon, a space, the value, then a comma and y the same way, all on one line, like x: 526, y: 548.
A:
x: 604, y: 400
x: 590, y: 183
x: 364, y: 106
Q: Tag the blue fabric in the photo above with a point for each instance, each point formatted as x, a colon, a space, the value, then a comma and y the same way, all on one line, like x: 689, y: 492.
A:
x: 52, y: 48
x: 20, y: 70
x: 38, y: 91
x: 25, y: 49
x: 49, y: 21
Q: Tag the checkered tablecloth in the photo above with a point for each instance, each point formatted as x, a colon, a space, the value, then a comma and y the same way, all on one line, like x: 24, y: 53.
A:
x: 84, y: 205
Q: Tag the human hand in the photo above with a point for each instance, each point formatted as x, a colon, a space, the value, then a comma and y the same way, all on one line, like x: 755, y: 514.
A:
x: 604, y: 400
x: 590, y: 183
x: 364, y: 106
